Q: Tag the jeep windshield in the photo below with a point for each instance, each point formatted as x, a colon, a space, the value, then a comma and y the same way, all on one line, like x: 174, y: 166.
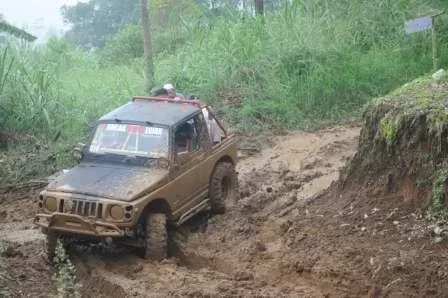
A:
x: 129, y: 140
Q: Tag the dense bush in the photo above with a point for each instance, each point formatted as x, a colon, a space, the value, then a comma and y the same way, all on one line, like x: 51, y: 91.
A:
x: 53, y: 93
x: 306, y: 64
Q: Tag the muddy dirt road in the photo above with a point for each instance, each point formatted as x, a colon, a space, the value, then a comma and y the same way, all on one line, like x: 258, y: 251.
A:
x: 282, y: 238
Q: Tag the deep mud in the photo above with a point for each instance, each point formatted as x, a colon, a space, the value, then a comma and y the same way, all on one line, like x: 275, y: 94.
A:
x: 285, y: 236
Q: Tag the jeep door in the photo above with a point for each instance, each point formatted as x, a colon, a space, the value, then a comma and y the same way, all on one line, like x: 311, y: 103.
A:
x: 191, y: 142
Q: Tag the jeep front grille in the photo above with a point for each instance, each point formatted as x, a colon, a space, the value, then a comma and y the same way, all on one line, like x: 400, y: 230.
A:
x: 84, y: 208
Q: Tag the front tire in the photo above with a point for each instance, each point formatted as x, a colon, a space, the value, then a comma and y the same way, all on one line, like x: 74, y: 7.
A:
x: 50, y: 246
x: 223, y: 186
x: 156, y: 237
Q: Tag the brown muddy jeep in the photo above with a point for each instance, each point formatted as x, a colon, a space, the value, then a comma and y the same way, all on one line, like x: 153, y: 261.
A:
x: 148, y: 163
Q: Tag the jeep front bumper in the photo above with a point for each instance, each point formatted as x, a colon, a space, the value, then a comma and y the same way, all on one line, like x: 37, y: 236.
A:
x: 76, y: 224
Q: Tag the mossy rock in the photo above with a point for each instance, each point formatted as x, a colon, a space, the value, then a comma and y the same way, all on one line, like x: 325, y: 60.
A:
x: 404, y: 138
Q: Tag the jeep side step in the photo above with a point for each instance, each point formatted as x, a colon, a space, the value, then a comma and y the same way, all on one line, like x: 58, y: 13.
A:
x: 204, y: 205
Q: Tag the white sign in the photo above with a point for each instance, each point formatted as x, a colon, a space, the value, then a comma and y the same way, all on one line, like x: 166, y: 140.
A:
x: 116, y: 127
x: 154, y: 131
x: 417, y: 25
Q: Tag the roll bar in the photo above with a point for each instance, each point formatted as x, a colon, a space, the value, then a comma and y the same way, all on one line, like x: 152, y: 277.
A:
x: 167, y: 99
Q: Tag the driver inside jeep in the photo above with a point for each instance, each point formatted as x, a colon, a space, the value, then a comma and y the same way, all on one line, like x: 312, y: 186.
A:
x: 183, y: 138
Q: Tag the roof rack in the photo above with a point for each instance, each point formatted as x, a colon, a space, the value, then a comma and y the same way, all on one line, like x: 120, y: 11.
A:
x: 167, y: 99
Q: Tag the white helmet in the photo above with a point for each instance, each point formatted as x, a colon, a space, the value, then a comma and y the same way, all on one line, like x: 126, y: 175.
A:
x: 168, y: 87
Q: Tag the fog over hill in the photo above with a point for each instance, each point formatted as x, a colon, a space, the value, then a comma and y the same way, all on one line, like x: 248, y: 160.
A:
x: 41, y: 18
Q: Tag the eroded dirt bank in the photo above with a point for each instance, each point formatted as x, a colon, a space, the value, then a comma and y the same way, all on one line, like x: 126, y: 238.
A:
x: 283, y: 237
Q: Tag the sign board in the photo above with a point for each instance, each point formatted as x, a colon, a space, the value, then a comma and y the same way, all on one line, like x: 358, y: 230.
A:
x: 420, y: 24
x: 423, y: 24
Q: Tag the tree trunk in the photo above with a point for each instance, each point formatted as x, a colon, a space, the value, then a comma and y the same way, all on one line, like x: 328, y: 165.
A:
x: 259, y: 7
x: 149, y: 64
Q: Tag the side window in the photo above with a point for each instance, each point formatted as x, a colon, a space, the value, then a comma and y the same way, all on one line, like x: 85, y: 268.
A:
x: 189, y: 135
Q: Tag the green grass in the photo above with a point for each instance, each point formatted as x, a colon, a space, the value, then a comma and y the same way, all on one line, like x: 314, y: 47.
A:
x: 437, y: 204
x: 298, y: 69
x: 49, y: 96
x: 436, y: 211
x: 64, y: 276
x: 304, y: 66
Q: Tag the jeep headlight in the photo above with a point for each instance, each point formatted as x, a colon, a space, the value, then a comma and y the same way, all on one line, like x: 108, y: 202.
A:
x: 116, y: 212
x: 51, y: 204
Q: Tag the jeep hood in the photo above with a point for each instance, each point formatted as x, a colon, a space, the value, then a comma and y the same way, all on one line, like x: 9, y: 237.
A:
x: 107, y: 181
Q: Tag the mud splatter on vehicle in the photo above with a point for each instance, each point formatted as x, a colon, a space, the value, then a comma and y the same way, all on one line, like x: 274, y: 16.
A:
x: 148, y: 164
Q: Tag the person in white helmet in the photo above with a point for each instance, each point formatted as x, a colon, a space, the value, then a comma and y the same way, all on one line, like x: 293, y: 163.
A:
x: 213, y: 128
x: 172, y: 92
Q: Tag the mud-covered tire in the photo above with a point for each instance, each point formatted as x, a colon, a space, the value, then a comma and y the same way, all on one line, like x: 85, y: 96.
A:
x: 223, y: 186
x: 156, y: 237
x: 51, y: 242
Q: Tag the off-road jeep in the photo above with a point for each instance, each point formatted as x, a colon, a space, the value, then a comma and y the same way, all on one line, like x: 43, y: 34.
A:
x: 147, y: 164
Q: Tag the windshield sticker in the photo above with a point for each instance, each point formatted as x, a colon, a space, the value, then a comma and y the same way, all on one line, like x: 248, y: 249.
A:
x: 116, y: 127
x: 94, y: 148
x: 134, y: 129
x: 153, y: 131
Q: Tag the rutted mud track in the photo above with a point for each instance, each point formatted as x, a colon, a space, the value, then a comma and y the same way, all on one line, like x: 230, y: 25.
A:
x: 281, y: 238
x: 239, y: 253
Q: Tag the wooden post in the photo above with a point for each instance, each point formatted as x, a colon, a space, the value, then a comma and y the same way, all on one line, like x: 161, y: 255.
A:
x: 147, y: 46
x: 424, y: 24
x: 435, y: 58
x: 435, y: 41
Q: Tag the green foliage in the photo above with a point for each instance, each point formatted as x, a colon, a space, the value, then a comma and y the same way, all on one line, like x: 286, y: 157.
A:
x: 306, y: 64
x: 437, y: 209
x: 423, y: 97
x: 93, y: 22
x: 51, y: 95
x: 313, y: 63
x: 65, y: 275
x: 389, y: 130
x: 438, y: 192
x: 125, y: 46
x: 17, y: 32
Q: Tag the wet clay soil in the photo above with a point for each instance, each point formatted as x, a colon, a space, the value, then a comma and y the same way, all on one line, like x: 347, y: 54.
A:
x: 288, y: 235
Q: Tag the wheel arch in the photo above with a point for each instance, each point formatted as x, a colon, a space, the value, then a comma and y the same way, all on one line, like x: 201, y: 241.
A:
x: 159, y: 205
x: 225, y: 158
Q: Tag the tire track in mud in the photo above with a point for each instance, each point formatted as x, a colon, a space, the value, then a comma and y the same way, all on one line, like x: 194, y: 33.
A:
x: 243, y: 252
x: 21, y: 254
x: 286, y: 236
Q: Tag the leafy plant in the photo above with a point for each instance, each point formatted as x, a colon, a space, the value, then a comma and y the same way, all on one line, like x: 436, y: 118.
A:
x: 437, y: 205
x: 307, y: 64
x: 389, y: 130
x: 437, y: 212
x: 65, y: 275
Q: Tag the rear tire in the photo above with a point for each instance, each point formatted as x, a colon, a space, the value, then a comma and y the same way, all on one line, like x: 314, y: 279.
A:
x: 223, y: 186
x: 156, y: 237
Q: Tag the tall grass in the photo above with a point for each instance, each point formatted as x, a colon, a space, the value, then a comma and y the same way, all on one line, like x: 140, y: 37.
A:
x: 307, y: 64
x: 50, y: 95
